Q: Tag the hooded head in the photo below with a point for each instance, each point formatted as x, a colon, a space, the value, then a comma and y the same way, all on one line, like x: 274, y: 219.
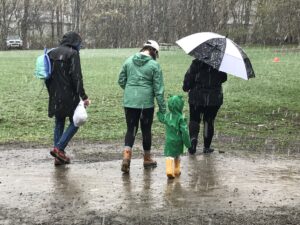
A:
x: 71, y: 39
x: 175, y: 104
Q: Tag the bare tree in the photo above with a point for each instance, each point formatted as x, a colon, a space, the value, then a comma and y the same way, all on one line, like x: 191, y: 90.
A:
x: 7, y: 10
x: 59, y: 16
x: 76, y: 15
x: 25, y: 23
x: 277, y: 22
x: 128, y: 23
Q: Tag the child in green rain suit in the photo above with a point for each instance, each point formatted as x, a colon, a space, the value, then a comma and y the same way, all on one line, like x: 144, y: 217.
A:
x: 177, y: 135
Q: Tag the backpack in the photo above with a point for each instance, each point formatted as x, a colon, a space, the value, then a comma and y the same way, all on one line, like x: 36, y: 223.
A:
x: 43, y: 66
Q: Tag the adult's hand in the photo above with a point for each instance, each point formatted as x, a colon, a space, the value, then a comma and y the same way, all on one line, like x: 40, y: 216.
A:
x: 86, y: 102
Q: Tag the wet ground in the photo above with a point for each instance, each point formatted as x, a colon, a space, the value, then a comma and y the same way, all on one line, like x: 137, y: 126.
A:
x: 235, y: 187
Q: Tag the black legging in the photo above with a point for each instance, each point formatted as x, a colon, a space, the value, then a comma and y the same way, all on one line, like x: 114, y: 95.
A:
x: 133, y: 116
x: 208, y: 115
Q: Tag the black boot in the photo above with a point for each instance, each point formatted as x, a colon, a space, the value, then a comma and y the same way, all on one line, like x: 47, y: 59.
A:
x: 193, y: 148
x: 194, y: 131
x: 207, y: 150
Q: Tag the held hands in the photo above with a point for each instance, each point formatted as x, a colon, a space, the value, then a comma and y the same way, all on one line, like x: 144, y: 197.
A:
x: 161, y: 116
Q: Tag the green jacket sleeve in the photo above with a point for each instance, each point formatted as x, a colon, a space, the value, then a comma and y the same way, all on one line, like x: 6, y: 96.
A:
x: 159, y: 89
x: 185, y: 133
x: 123, y: 77
x: 161, y: 117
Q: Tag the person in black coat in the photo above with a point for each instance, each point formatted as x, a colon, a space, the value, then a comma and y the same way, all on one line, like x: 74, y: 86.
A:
x: 204, y: 85
x: 65, y: 88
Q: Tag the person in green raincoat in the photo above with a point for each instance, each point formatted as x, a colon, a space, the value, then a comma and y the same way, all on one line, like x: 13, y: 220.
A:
x: 142, y: 80
x: 177, y: 134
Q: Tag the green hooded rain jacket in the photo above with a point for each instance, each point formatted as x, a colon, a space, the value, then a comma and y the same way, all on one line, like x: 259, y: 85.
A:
x: 177, y: 133
x: 142, y: 80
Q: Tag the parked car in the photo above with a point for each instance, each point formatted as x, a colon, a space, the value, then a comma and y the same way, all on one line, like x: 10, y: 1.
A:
x: 14, y: 42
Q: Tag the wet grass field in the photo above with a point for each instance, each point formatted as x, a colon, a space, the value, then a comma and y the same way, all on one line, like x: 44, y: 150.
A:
x: 261, y: 112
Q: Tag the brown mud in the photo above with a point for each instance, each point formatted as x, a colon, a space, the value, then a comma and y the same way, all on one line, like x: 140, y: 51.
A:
x: 225, y: 187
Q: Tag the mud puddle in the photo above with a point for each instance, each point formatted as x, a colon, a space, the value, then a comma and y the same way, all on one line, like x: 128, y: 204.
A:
x: 225, y: 188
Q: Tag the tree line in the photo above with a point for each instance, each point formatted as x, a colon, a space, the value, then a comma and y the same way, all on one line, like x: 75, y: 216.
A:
x: 128, y: 23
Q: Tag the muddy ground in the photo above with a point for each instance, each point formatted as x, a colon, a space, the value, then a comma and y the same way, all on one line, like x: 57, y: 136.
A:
x: 226, y: 187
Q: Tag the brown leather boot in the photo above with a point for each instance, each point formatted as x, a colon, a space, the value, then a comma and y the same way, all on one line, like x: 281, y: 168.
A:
x: 126, y: 160
x: 148, y: 161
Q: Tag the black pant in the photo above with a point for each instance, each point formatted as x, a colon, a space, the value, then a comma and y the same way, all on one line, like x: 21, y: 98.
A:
x: 133, y: 116
x: 208, y: 115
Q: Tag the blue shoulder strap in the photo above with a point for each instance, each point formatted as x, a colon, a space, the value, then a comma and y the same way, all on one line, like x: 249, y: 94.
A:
x: 47, y: 62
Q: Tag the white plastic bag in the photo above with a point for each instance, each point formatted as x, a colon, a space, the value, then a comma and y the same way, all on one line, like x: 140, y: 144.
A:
x: 80, y: 115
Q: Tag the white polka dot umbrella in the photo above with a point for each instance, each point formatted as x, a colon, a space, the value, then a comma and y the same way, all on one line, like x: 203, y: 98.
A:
x: 219, y: 52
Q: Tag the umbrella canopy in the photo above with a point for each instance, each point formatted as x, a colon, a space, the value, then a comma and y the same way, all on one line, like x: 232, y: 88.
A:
x: 219, y: 52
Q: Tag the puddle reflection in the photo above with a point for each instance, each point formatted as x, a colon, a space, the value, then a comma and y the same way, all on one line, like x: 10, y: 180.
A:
x: 66, y: 192
x: 202, y: 173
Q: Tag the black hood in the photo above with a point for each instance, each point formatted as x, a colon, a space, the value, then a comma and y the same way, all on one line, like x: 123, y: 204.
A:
x: 71, y: 39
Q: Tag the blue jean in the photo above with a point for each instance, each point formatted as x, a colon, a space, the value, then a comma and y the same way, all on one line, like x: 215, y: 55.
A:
x: 61, y: 136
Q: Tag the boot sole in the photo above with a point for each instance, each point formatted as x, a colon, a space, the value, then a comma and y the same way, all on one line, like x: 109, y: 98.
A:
x: 58, y: 162
x: 56, y: 155
x: 125, y: 169
x: 208, y: 152
x: 192, y: 151
x: 150, y: 166
x: 170, y: 176
x: 125, y: 166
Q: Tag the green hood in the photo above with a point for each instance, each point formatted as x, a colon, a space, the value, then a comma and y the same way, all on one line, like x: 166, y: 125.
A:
x: 177, y: 132
x: 140, y: 59
x: 175, y: 104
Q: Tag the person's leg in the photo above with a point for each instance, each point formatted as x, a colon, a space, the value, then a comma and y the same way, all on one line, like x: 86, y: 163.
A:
x: 58, y: 129
x: 67, y: 136
x: 177, y: 170
x: 194, y: 127
x: 208, y: 131
x: 59, y: 148
x: 132, y: 121
x: 146, y: 119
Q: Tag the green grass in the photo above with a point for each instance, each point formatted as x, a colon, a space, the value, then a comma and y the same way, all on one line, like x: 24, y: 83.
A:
x: 267, y: 106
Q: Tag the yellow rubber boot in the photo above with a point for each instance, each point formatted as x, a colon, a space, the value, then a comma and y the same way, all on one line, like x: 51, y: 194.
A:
x: 177, y: 171
x: 170, y: 167
x: 126, y: 160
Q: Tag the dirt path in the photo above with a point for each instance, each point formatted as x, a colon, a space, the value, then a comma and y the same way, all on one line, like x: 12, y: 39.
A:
x: 230, y: 188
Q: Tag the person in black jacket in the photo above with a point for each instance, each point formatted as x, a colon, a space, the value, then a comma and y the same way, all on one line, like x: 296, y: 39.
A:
x: 65, y: 88
x: 204, y: 85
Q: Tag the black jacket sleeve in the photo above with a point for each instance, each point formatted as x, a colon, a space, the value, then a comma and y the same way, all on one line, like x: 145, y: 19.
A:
x: 189, y: 77
x: 223, y: 77
x: 76, y: 75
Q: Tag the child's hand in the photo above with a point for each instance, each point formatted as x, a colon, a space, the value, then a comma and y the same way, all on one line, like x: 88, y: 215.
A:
x: 160, y: 116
